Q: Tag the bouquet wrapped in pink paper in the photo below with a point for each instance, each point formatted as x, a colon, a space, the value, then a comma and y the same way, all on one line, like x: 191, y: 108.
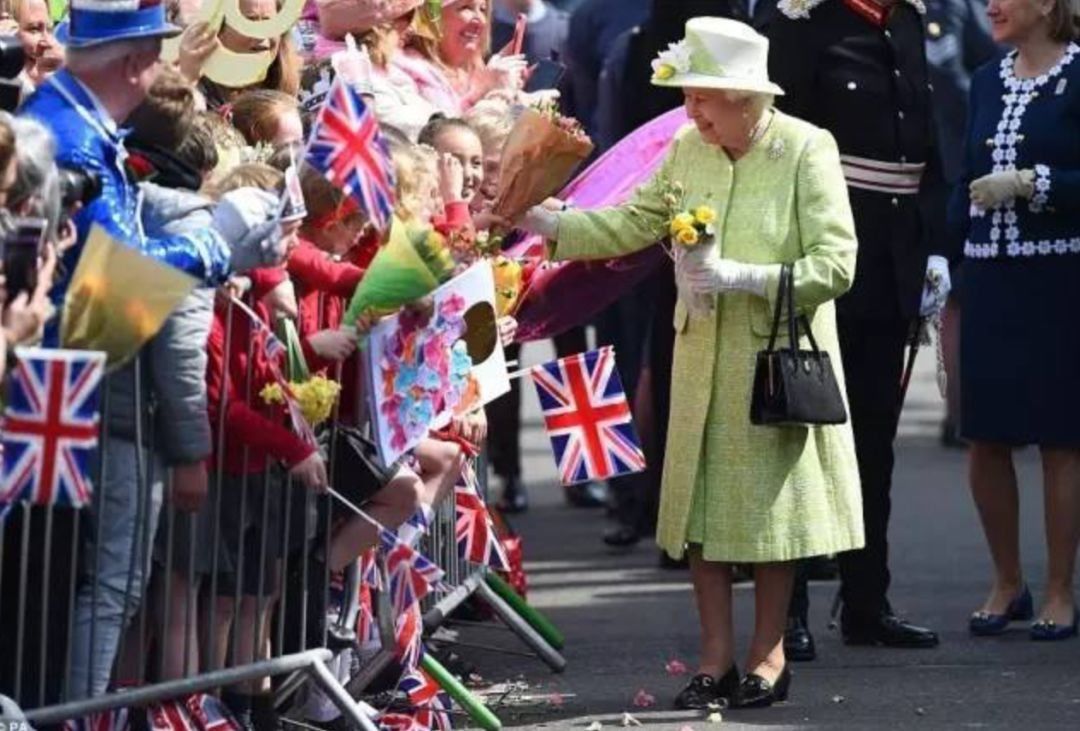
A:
x: 542, y: 152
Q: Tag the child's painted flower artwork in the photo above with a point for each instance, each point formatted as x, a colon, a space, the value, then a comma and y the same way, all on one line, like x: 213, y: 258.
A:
x: 425, y: 370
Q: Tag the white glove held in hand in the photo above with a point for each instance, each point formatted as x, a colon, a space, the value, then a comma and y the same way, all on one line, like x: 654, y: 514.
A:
x: 992, y: 190
x: 247, y: 219
x: 713, y: 275
x: 354, y: 67
x: 506, y: 72
x: 541, y: 221
x: 936, y: 287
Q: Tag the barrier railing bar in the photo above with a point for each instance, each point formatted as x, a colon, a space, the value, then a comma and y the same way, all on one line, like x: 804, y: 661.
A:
x: 164, y: 644
x: 285, y: 529
x: 141, y: 501
x: 46, y: 610
x: 264, y: 537
x: 23, y: 570
x: 349, y: 708
x: 65, y: 682
x: 191, y: 608
x: 244, y: 481
x: 100, y: 490
x: 209, y: 653
x: 178, y: 688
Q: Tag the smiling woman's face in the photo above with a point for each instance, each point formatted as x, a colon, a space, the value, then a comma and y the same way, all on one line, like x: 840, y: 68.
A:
x: 722, y: 118
x: 464, y: 31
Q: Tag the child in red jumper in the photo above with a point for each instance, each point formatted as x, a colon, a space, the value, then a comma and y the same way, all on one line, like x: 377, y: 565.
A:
x: 393, y: 493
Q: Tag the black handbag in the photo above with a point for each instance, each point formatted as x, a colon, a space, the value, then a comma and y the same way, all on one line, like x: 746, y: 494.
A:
x: 794, y: 387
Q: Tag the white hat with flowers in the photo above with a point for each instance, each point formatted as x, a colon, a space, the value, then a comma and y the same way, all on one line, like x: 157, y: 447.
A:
x: 717, y: 53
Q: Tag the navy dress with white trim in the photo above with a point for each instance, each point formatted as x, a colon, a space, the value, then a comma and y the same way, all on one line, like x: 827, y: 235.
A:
x: 1020, y: 354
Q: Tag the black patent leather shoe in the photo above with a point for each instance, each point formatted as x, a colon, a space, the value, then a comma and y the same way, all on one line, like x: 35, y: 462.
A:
x: 798, y: 642
x: 757, y: 692
x: 621, y: 537
x: 705, y: 692
x: 888, y: 630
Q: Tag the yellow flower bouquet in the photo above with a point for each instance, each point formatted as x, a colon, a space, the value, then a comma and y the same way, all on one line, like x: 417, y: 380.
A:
x: 692, y: 231
x: 315, y: 396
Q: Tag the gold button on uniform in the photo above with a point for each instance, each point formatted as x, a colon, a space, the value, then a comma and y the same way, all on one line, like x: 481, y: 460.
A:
x: 934, y: 29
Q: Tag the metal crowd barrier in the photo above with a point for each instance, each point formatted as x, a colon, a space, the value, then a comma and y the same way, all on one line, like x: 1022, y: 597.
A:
x: 133, y: 594
x: 126, y: 603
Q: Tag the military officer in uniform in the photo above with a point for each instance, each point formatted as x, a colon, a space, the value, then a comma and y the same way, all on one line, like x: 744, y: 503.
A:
x: 858, y: 68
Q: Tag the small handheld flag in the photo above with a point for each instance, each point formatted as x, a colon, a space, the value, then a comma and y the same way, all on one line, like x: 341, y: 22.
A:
x: 475, y: 531
x: 50, y: 429
x: 587, y: 417
x: 347, y: 147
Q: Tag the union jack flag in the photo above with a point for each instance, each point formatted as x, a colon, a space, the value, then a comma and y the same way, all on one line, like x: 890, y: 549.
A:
x: 403, y: 722
x: 413, y: 529
x: 369, y: 569
x: 426, y: 695
x: 411, y: 575
x: 116, y: 720
x: 475, y: 531
x: 348, y: 149
x: 50, y: 428
x: 367, y: 629
x: 171, y: 716
x: 209, y: 713
x: 587, y: 417
x: 409, y: 638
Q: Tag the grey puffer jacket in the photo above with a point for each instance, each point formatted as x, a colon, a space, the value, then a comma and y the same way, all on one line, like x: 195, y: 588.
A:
x: 172, y: 366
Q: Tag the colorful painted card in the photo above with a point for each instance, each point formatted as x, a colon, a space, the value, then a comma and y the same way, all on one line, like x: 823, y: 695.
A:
x: 423, y: 367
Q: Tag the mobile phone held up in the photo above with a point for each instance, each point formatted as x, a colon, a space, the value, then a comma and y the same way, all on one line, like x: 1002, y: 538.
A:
x: 546, y: 75
x: 22, y: 251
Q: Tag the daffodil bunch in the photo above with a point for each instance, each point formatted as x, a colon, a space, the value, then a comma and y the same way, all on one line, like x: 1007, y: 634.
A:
x: 689, y: 228
x: 315, y: 396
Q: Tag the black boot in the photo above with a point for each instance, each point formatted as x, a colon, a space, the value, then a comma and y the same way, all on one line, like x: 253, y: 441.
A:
x: 886, y: 630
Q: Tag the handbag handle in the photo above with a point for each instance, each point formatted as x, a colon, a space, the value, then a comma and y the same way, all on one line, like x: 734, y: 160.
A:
x: 786, y: 299
x: 781, y: 293
x: 794, y: 322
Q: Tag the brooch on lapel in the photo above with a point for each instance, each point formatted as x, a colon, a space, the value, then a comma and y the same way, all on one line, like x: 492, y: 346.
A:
x: 776, y: 149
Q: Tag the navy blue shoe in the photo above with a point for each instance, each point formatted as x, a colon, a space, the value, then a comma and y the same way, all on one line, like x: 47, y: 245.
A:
x: 1020, y: 609
x: 1047, y: 630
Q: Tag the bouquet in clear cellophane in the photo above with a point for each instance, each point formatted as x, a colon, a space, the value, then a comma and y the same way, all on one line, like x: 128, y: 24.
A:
x: 542, y: 152
x: 413, y: 263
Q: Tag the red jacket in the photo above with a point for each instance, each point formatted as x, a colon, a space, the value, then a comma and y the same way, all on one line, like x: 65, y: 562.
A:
x: 248, y: 422
x: 323, y: 287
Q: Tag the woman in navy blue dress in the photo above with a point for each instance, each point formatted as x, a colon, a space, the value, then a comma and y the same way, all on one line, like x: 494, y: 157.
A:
x: 1020, y: 346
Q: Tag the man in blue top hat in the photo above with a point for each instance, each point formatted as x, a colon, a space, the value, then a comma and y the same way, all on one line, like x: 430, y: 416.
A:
x: 112, y: 59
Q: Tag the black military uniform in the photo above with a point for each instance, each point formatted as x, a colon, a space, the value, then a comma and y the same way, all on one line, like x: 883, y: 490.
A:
x: 858, y: 68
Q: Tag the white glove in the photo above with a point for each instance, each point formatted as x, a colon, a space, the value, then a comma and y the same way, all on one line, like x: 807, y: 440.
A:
x: 992, y: 190
x: 541, y: 221
x: 504, y: 72
x: 353, y: 66
x: 713, y: 275
x: 936, y: 286
x: 247, y: 219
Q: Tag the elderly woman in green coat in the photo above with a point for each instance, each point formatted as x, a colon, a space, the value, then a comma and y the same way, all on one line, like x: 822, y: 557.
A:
x: 734, y: 492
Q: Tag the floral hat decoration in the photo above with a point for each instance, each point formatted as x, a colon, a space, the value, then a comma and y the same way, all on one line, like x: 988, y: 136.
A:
x: 717, y: 53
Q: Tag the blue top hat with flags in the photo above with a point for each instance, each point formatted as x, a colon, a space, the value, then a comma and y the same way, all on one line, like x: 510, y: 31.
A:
x: 95, y: 22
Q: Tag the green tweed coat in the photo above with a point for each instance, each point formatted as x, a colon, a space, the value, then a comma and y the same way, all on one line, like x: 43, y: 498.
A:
x: 747, y: 493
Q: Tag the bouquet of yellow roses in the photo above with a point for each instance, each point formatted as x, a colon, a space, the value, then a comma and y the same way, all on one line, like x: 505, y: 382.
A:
x: 692, y: 231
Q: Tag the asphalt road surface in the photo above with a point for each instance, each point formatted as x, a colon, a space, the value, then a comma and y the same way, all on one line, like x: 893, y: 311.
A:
x: 625, y: 618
